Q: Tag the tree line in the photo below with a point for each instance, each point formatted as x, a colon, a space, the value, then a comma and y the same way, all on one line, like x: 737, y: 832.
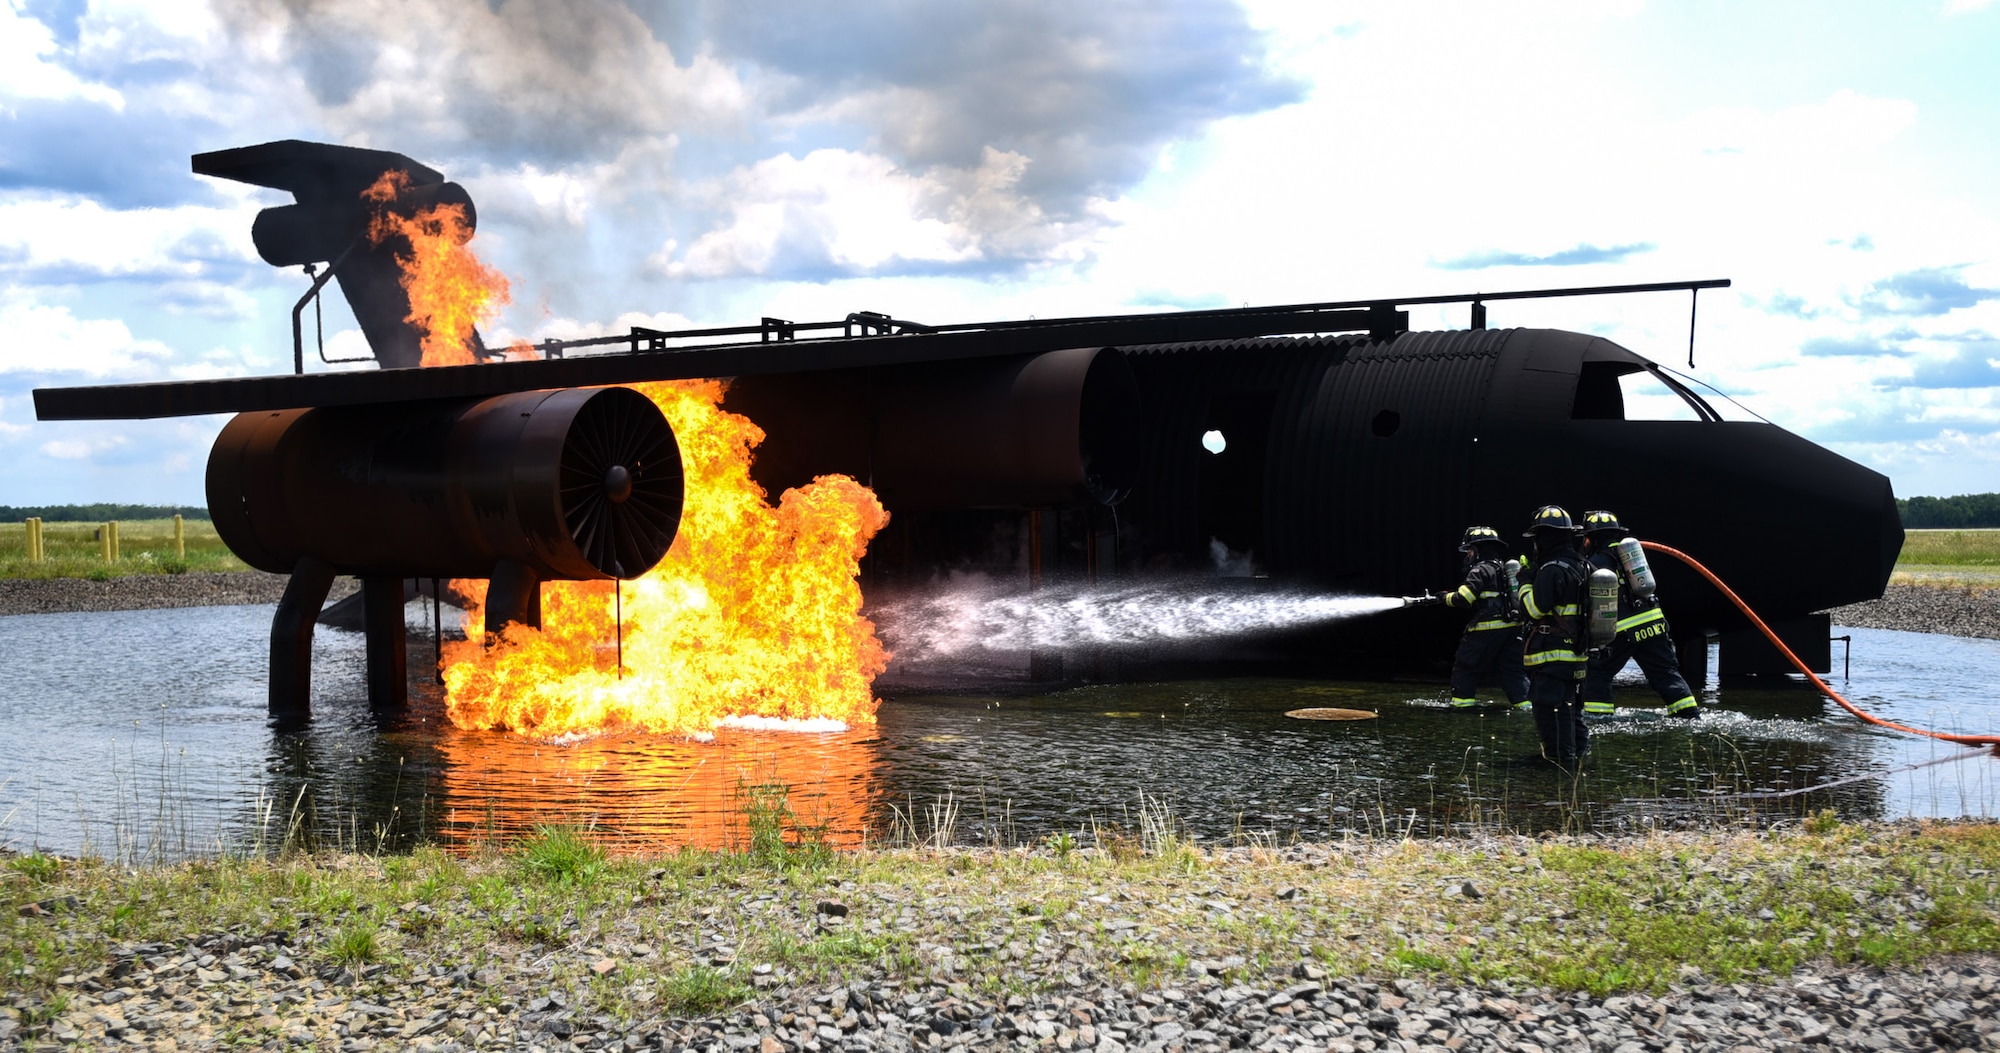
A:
x: 98, y: 513
x: 1963, y: 511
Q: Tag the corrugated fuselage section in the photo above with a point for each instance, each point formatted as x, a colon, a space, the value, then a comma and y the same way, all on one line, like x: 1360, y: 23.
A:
x: 1367, y: 455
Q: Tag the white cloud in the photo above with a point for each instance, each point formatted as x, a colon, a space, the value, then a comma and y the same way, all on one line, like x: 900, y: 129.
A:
x: 81, y: 449
x: 8, y: 429
x: 41, y: 339
x: 467, y: 76
x: 26, y: 72
x: 1954, y: 461
x: 861, y: 212
x: 345, y: 349
x: 63, y: 239
x: 574, y: 329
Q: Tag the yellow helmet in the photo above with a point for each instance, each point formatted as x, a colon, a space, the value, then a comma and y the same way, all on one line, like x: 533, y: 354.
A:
x: 1476, y: 534
x: 1550, y: 517
x: 1600, y: 520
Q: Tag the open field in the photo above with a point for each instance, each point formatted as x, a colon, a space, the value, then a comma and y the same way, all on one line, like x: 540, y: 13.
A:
x: 145, y: 546
x: 1970, y: 557
x: 1949, y: 557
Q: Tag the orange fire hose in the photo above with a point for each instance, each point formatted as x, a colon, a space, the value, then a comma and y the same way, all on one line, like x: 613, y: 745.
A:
x: 1964, y: 740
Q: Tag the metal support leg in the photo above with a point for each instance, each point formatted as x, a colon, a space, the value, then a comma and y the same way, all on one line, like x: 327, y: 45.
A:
x: 1691, y: 653
x: 292, y: 638
x: 513, y: 594
x: 382, y: 602
x: 1034, y: 549
x: 1044, y: 542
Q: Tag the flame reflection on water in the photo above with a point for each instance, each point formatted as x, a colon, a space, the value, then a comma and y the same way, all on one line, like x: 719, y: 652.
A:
x: 640, y: 792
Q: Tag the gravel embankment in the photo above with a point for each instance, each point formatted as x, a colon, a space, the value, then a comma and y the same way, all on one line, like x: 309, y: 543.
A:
x: 1954, y: 610
x: 1046, y: 986
x: 147, y: 591
x: 218, y: 994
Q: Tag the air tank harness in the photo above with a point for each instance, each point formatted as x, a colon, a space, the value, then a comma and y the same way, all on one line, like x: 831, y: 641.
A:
x: 1992, y: 741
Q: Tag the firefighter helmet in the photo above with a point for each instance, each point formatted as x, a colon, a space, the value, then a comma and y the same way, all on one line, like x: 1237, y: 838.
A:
x: 1477, y: 535
x: 1601, y: 521
x: 1550, y: 517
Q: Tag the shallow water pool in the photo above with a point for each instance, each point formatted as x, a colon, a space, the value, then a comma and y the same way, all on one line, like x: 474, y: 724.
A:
x: 142, y: 735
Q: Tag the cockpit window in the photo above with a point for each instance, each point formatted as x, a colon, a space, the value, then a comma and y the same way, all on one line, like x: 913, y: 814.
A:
x: 1629, y: 391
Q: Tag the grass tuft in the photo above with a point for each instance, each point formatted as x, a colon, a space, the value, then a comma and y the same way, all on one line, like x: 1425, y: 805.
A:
x: 703, y: 990
x: 767, y: 813
x: 356, y: 943
x: 562, y: 854
x: 36, y: 867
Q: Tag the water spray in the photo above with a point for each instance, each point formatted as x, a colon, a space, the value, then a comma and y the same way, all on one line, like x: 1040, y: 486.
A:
x: 970, y: 619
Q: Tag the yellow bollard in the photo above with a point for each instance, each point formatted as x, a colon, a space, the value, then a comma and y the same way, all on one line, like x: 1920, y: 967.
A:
x: 180, y: 539
x: 35, y: 539
x: 111, y: 542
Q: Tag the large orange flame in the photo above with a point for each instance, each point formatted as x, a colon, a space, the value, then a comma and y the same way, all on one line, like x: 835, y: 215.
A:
x: 451, y: 291
x: 754, y: 614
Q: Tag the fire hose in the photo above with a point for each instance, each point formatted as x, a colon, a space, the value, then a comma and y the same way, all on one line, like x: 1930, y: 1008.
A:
x: 1992, y: 741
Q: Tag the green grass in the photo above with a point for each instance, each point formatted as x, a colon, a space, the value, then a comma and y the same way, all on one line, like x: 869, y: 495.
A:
x: 1963, y: 558
x: 357, y: 943
x: 1951, y: 548
x: 41, y: 869
x: 767, y: 814
x: 145, y: 546
x: 701, y: 990
x: 563, y: 854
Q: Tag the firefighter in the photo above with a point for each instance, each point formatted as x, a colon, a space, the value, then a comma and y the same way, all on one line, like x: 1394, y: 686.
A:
x: 1491, y: 646
x: 1642, y: 629
x: 1552, y: 599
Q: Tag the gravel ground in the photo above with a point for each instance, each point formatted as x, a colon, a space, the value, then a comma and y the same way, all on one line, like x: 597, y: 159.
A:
x: 148, y: 591
x: 270, y: 990
x: 1956, y: 610
x: 218, y: 995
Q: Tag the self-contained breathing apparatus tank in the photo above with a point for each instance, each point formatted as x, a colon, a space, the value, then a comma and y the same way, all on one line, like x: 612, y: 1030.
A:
x: 1632, y: 557
x: 1601, y: 614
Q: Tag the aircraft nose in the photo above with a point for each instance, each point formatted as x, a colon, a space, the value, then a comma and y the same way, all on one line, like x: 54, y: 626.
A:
x: 1793, y: 528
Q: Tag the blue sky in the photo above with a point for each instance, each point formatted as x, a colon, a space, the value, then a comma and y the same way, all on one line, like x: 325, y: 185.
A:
x: 713, y: 163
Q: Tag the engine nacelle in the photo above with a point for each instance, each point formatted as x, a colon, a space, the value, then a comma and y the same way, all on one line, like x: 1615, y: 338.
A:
x: 577, y: 484
x: 1021, y: 431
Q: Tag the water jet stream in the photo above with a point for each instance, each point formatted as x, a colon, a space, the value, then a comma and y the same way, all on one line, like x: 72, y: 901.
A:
x: 971, y: 618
